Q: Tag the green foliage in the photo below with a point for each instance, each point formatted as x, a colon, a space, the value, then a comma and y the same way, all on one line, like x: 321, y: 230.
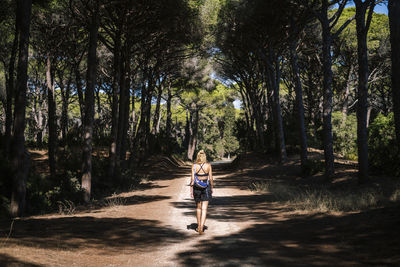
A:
x: 216, y: 133
x: 45, y: 194
x: 383, y: 151
x: 230, y: 140
x: 345, y: 135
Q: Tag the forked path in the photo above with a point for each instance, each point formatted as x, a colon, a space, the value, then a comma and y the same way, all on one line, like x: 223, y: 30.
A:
x: 154, y: 226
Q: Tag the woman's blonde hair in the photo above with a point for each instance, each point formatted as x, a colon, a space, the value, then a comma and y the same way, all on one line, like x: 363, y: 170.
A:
x: 201, y: 157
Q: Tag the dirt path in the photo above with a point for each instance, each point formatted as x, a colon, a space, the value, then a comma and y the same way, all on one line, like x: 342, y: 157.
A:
x: 154, y: 226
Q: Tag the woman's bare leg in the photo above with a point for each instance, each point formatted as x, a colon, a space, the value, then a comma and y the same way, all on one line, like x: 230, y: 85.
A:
x: 198, y: 213
x: 204, y: 205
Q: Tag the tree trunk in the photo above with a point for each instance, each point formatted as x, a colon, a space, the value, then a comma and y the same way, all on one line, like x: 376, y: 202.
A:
x: 78, y: 81
x: 10, y: 93
x: 193, y: 129
x: 19, y: 158
x: 327, y: 94
x: 347, y: 95
x: 394, y: 20
x: 65, y: 94
x: 168, y: 126
x: 368, y: 115
x: 141, y: 139
x: 51, y: 117
x: 274, y: 83
x: 299, y: 105
x: 157, y: 112
x: 39, y: 120
x: 133, y: 115
x: 114, y: 109
x: 89, y: 105
x: 147, y: 114
x: 362, y: 104
x: 125, y: 101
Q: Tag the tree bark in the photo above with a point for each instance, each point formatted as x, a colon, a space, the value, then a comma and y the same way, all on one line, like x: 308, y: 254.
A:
x: 19, y: 158
x: 347, y: 95
x: 157, y: 114
x: 78, y: 83
x: 274, y: 70
x: 89, y: 105
x: 133, y: 115
x: 362, y: 104
x: 394, y: 21
x: 327, y: 94
x: 299, y: 105
x: 39, y: 117
x: 51, y: 117
x: 125, y: 101
x: 193, y: 129
x: 168, y: 126
x: 114, y: 109
x: 65, y: 94
x: 10, y: 93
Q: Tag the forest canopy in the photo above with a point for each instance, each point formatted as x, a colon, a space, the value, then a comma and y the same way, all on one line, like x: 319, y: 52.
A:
x: 98, y: 87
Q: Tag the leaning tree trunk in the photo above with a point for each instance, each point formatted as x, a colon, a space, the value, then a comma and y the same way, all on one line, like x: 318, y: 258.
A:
x: 327, y: 94
x: 394, y: 20
x: 20, y: 159
x: 89, y: 106
x: 51, y: 117
x: 299, y: 105
x: 362, y: 104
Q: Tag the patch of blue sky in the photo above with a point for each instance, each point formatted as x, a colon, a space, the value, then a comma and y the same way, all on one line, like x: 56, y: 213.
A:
x: 380, y: 8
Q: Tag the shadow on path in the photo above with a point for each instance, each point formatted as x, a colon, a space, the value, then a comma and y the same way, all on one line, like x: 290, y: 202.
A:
x: 370, y: 238
x: 7, y: 260
x: 235, y: 208
x: 74, y: 233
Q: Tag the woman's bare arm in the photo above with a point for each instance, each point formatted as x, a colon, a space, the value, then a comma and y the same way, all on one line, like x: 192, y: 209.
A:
x: 192, y: 176
x: 191, y: 182
x: 210, y: 175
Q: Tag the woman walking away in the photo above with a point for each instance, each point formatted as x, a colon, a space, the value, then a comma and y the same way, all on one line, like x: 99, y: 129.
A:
x: 201, y: 188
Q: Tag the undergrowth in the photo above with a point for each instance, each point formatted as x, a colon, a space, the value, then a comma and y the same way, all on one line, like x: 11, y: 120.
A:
x: 324, y: 198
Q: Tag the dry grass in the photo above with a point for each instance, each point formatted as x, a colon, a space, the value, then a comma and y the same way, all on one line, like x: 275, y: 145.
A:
x: 114, y: 201
x: 66, y: 207
x: 323, y: 198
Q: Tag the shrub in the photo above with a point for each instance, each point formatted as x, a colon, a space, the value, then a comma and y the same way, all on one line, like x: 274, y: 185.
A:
x: 45, y: 194
x: 345, y: 135
x: 383, y: 151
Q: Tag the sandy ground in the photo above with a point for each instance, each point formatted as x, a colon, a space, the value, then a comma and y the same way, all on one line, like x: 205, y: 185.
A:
x: 154, y: 226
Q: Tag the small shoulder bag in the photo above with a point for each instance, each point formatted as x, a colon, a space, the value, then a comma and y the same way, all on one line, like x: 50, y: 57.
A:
x: 197, y: 182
